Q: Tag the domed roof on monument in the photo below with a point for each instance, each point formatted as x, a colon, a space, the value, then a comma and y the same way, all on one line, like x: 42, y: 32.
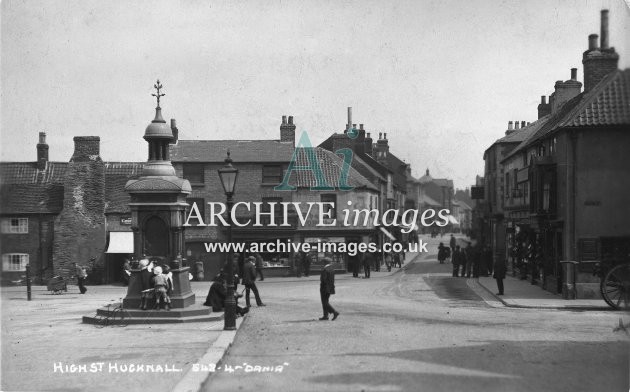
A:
x: 158, y: 127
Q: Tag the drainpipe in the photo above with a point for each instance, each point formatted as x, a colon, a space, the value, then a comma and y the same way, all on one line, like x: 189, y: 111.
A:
x: 569, y: 265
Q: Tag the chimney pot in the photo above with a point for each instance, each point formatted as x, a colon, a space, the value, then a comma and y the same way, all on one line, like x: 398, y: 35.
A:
x: 604, y: 30
x: 349, y: 115
x: 42, y: 138
x: 523, y: 124
x: 510, y: 125
x: 284, y: 119
x: 573, y: 73
x: 543, y: 100
x: 385, y: 135
x: 592, y: 41
x: 361, y: 126
x: 290, y: 120
x: 368, y: 135
x: 380, y: 135
x: 354, y: 126
x: 516, y: 125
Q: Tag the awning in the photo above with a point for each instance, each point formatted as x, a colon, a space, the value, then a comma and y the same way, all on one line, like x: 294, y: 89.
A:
x: 451, y: 219
x: 388, y: 234
x: 120, y: 242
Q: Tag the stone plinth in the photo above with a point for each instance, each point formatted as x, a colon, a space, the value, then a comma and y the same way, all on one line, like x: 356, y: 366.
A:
x: 181, y: 297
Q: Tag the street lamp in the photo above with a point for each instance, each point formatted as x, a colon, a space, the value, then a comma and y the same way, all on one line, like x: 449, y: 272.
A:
x: 227, y: 175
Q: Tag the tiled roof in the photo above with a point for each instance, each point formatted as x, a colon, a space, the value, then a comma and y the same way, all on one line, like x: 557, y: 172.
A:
x: 116, y: 176
x: 27, y: 173
x: 34, y: 198
x: 331, y: 165
x: 359, y: 163
x: 607, y: 103
x: 240, y: 150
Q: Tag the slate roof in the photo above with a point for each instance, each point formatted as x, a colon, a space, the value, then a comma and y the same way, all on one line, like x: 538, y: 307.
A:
x: 240, y: 150
x: 524, y: 133
x: 331, y: 165
x: 528, y: 132
x: 426, y: 200
x: 116, y: 176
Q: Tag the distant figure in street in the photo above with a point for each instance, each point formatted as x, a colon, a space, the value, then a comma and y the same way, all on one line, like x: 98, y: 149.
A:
x: 368, y: 260
x: 499, y: 273
x: 470, y: 257
x: 485, y: 261
x: 307, y: 265
x: 217, y: 295
x: 249, y: 281
x: 453, y: 243
x: 327, y: 288
x: 356, y: 265
x: 81, y: 275
x: 397, y: 260
x: 441, y: 253
x: 259, y: 266
x: 459, y: 259
x: 236, y: 270
x: 298, y: 261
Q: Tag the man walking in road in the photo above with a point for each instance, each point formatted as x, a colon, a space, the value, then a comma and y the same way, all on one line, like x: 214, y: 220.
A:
x: 249, y: 281
x: 368, y: 260
x: 327, y: 288
x: 458, y: 259
x: 499, y: 273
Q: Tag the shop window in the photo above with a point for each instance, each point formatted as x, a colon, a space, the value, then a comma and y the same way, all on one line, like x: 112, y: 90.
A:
x: 194, y: 172
x: 15, y: 226
x: 14, y: 261
x: 272, y: 174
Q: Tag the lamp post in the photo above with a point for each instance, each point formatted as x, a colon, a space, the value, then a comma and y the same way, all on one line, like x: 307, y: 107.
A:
x: 227, y: 175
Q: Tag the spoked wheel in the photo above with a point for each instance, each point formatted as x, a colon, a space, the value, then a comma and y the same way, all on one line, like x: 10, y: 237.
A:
x: 615, y: 287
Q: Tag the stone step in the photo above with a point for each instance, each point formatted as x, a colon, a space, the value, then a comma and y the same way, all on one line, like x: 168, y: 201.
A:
x: 153, y: 320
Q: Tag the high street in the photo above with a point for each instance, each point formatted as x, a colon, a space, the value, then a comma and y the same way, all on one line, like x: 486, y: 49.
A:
x: 420, y: 329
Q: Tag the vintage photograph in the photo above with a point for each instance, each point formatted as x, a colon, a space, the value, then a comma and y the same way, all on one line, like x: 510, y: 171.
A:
x: 355, y: 195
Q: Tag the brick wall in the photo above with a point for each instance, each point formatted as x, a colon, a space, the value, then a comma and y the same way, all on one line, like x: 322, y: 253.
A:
x: 80, y: 227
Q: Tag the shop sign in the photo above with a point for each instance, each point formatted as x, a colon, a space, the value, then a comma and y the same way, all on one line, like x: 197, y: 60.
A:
x: 125, y: 220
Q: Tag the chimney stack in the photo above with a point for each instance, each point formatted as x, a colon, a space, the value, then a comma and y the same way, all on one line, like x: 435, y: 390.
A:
x: 604, y: 30
x: 516, y: 125
x: 565, y: 91
x: 86, y: 148
x: 543, y: 108
x: 42, y: 152
x: 349, y: 118
x: 287, y: 131
x: 599, y: 62
x: 523, y: 124
x: 510, y: 125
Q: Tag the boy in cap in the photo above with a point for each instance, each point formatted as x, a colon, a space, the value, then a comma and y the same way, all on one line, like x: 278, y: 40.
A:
x: 249, y: 280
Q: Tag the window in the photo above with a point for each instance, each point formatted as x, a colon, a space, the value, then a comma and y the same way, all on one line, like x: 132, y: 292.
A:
x: 508, y: 188
x: 330, y: 198
x: 546, y: 196
x: 15, y: 225
x: 14, y: 261
x: 272, y: 174
x: 201, y: 205
x: 194, y: 172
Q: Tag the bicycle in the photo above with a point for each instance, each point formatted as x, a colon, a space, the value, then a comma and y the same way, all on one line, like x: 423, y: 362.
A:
x: 116, y: 316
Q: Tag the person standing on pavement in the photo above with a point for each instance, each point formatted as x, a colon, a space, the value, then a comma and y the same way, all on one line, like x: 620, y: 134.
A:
x: 499, y: 274
x: 327, y: 288
x: 441, y: 253
x: 81, y: 275
x: 453, y: 243
x: 469, y: 253
x: 458, y: 259
x: 249, y: 281
x: 368, y: 260
x: 146, y: 284
x: 259, y: 266
x: 307, y: 265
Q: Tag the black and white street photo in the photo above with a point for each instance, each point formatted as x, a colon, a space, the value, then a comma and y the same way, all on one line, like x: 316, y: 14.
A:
x: 358, y: 195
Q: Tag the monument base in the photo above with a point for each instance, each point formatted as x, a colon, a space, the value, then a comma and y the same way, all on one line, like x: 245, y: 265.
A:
x: 112, y: 315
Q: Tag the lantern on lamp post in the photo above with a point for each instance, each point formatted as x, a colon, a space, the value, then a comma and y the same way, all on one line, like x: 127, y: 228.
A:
x: 228, y: 175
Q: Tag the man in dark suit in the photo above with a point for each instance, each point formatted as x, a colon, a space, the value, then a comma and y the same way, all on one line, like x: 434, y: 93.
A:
x: 249, y: 281
x: 327, y: 288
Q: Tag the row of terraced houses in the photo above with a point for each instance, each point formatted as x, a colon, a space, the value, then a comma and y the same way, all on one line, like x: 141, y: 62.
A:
x: 554, y: 203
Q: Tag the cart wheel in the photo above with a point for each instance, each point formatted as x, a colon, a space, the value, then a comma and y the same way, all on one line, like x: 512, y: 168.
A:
x: 615, y: 287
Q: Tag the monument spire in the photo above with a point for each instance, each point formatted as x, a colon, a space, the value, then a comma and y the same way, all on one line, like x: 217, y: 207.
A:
x: 158, y: 87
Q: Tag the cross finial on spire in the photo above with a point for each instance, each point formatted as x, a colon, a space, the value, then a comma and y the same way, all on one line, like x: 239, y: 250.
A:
x: 158, y: 87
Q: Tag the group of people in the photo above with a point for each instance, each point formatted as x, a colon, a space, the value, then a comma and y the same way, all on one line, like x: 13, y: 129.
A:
x: 472, y: 261
x: 217, y: 294
x: 156, y: 282
x: 369, y: 261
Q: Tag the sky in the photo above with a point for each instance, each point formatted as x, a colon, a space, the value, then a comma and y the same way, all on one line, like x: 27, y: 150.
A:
x: 442, y: 78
